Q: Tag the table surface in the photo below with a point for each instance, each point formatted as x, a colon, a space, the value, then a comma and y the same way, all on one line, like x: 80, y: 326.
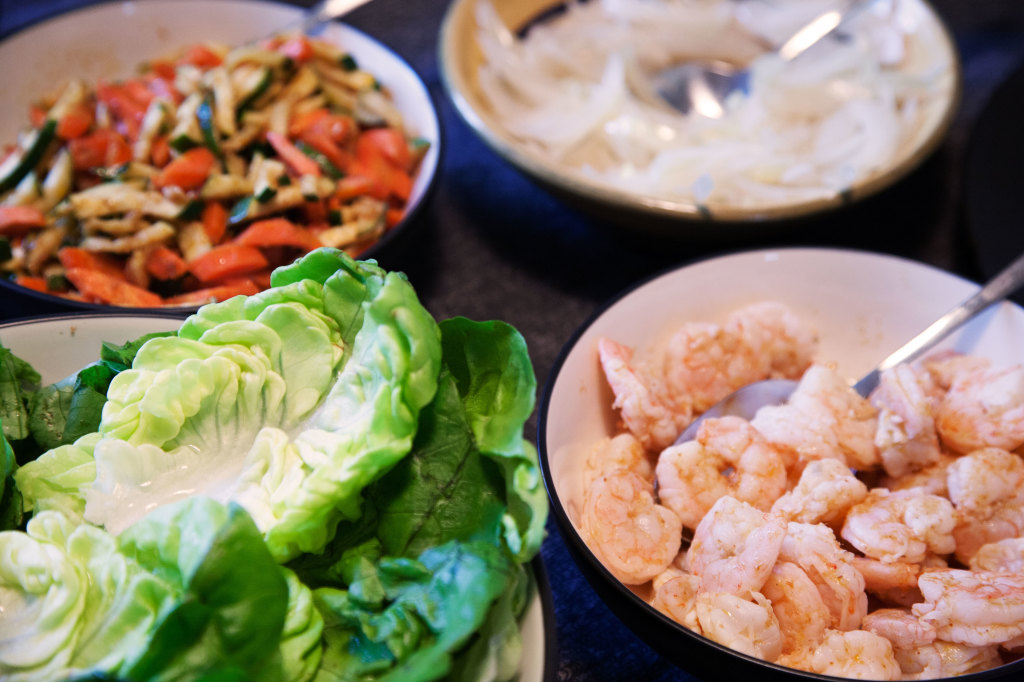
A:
x: 492, y: 245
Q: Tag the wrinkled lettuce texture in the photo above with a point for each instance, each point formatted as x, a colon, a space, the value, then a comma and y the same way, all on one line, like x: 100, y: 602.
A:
x: 319, y: 481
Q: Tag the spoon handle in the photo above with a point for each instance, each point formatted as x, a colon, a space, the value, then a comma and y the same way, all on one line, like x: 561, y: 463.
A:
x: 326, y: 10
x: 818, y: 28
x: 1001, y: 286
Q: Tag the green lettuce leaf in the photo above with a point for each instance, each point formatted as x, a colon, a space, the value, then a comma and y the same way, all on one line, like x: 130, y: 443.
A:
x: 18, y: 380
x: 11, y: 510
x: 233, y: 601
x: 404, y: 619
x: 289, y: 402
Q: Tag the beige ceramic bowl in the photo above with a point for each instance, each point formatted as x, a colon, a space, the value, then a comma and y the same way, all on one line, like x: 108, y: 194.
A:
x: 863, y: 305
x: 460, y: 61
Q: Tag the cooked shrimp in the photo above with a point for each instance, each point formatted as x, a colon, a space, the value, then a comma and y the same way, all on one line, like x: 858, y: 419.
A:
x: 749, y: 627
x: 824, y: 418
x: 653, y: 416
x: 707, y: 362
x: 814, y: 548
x: 945, y: 659
x: 945, y: 366
x: 987, y: 489
x: 675, y: 595
x: 905, y: 525
x: 895, y: 583
x: 728, y: 457
x: 1004, y: 555
x: 906, y: 437
x: 879, y: 575
x: 856, y: 654
x: 983, y: 408
x: 735, y: 546
x: 931, y: 479
x: 623, y: 451
x: 797, y: 605
x: 826, y: 490
x: 977, y: 608
x: 823, y: 392
x: 633, y: 536
x: 900, y: 626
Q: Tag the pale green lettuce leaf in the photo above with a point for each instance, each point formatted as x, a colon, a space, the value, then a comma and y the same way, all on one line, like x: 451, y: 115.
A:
x: 71, y: 601
x: 289, y: 402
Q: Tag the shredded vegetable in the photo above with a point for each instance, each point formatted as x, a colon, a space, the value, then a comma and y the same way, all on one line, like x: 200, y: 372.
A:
x: 190, y: 182
x: 571, y: 90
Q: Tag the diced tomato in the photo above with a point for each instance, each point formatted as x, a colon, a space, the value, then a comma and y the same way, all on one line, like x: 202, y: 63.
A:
x: 292, y: 155
x: 298, y: 49
x: 277, y: 232
x: 162, y: 68
x: 221, y: 292
x: 215, y: 221
x: 101, y: 287
x: 123, y: 106
x: 160, y: 152
x: 139, y: 91
x: 163, y: 88
x: 375, y: 159
x: 227, y: 261
x: 352, y: 186
x: 102, y: 147
x: 17, y: 220
x: 338, y: 127
x: 33, y: 283
x: 36, y: 116
x: 78, y: 258
x: 188, y: 171
x: 75, y: 123
x: 389, y: 142
x: 164, y: 263
x: 202, y: 56
x: 306, y: 120
x: 326, y: 146
x: 393, y: 216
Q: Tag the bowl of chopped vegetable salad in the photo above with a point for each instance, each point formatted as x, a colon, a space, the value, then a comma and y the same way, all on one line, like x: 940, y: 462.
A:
x: 306, y: 483
x: 167, y: 154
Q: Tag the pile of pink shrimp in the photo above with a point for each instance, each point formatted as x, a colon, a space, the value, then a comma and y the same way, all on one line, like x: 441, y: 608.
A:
x: 878, y: 538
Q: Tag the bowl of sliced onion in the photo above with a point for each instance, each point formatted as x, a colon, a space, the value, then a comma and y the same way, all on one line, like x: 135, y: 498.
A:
x: 558, y: 90
x: 831, y: 536
x: 167, y: 154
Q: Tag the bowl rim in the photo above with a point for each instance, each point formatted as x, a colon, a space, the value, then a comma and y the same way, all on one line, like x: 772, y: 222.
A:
x: 430, y: 169
x: 682, y: 212
x: 593, y: 566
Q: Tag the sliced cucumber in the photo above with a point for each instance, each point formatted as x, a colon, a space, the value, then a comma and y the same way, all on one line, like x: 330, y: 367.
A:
x: 204, y: 114
x: 250, y: 82
x: 222, y: 186
x: 58, y: 181
x: 25, y: 192
x: 186, y: 133
x: 18, y: 164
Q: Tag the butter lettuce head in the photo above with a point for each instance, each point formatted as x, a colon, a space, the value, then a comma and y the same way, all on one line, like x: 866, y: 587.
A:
x: 189, y: 592
x: 289, y: 403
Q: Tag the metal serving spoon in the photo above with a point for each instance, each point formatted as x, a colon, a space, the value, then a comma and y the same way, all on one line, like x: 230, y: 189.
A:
x: 746, y: 401
x: 703, y: 86
x: 319, y: 15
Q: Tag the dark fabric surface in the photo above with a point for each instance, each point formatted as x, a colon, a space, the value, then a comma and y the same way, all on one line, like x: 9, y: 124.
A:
x: 491, y: 244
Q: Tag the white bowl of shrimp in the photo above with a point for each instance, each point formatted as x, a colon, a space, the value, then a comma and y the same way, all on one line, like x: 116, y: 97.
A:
x: 833, y: 536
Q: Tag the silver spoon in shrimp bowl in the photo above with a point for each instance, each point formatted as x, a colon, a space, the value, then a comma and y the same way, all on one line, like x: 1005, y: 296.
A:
x: 746, y: 401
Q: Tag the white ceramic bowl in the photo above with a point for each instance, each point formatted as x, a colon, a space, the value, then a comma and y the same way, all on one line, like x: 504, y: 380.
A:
x: 58, y: 346
x: 864, y: 306
x: 661, y: 212
x: 111, y: 39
